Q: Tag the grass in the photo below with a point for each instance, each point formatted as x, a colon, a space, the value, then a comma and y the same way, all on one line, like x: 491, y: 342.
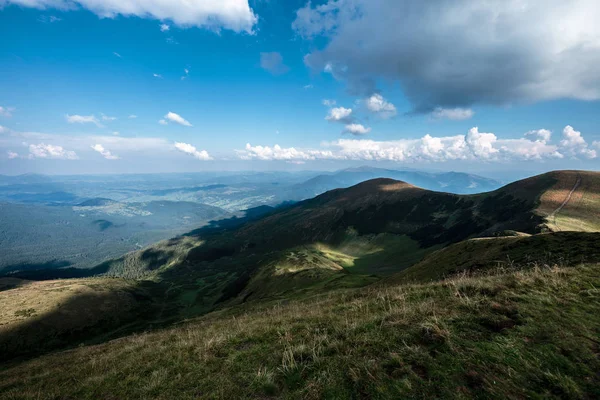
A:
x: 41, y: 316
x: 512, y: 335
x: 513, y: 252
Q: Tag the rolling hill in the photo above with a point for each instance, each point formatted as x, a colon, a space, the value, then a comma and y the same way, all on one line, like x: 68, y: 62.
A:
x: 329, y: 251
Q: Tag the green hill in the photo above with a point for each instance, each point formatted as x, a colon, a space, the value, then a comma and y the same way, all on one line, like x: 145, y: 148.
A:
x: 511, y: 335
x: 378, y: 231
x: 476, y: 256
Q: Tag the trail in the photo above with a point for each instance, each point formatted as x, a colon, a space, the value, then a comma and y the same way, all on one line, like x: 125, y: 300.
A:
x: 566, y: 201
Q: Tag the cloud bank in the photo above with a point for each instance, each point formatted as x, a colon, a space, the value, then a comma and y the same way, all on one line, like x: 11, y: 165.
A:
x: 459, y: 53
x: 473, y: 146
x: 235, y: 15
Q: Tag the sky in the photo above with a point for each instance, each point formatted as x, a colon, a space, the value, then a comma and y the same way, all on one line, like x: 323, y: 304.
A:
x: 131, y: 86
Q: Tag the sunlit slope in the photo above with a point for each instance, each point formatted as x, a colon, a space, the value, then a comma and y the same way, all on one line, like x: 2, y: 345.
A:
x: 573, y: 202
x: 476, y: 256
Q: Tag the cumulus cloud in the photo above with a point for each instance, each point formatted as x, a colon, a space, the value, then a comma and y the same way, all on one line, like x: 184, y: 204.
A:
x: 357, y: 129
x: 105, y: 153
x: 328, y: 102
x: 456, y: 54
x: 173, y: 117
x: 573, y: 144
x: 235, y: 15
x: 472, y: 146
x: 273, y: 62
x: 380, y: 106
x: 83, y: 119
x: 189, y: 149
x: 50, y: 151
x: 455, y: 114
x: 282, y: 154
x: 6, y: 111
x: 542, y: 135
x: 12, y: 155
x: 164, y: 27
x: 339, y: 114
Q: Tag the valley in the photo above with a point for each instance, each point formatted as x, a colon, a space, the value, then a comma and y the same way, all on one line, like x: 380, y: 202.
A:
x: 377, y: 288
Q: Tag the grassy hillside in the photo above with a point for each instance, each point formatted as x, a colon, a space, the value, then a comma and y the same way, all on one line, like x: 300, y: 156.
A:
x: 530, y: 334
x: 41, y: 316
x: 521, y: 251
x: 344, y: 239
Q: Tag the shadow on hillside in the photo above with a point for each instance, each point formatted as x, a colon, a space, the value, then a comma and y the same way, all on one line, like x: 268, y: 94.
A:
x: 58, y: 272
x: 85, y: 317
x: 21, y: 267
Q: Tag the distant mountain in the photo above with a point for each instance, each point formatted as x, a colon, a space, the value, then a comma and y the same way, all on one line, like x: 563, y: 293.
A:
x: 453, y: 182
x: 380, y: 227
x: 24, y: 179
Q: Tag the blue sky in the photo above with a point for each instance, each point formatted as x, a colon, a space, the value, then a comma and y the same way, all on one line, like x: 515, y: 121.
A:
x: 218, y: 85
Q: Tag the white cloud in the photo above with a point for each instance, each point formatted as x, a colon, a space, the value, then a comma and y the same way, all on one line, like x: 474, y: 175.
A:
x: 178, y: 119
x: 157, y: 76
x: 49, y: 19
x: 328, y: 103
x: 574, y: 144
x: 543, y: 135
x: 380, y: 106
x: 6, y: 111
x: 278, y: 153
x: 3, y: 129
x: 53, y: 146
x: 83, y: 119
x: 50, y: 151
x: 273, y: 62
x: 164, y: 27
x: 117, y: 54
x: 474, y: 146
x: 186, y: 75
x: 357, y: 129
x: 455, y: 114
x: 105, y: 153
x: 163, y: 122
x: 310, y: 86
x: 107, y: 118
x: 189, y: 149
x: 12, y: 155
x: 235, y: 15
x: 132, y: 116
x: 339, y: 114
x: 456, y: 54
x: 116, y: 133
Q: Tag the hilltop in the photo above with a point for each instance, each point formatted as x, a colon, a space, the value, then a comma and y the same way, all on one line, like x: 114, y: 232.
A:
x: 347, y: 245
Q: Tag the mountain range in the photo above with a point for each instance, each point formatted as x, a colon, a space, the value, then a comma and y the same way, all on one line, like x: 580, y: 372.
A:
x: 371, y: 290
